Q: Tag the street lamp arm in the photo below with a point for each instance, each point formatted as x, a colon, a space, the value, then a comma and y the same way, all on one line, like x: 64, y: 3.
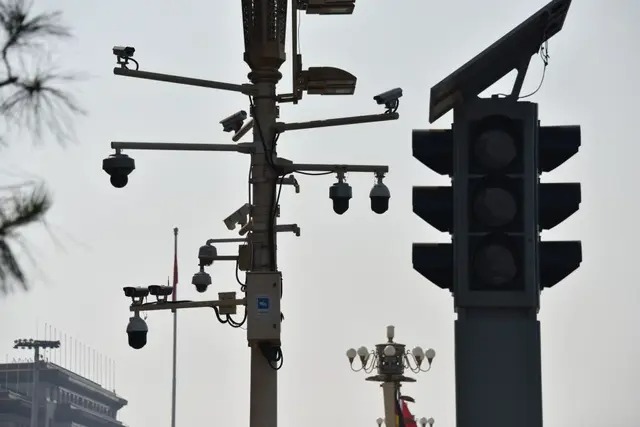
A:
x: 289, y: 167
x: 368, y: 365
x: 417, y: 366
x: 340, y: 121
x: 173, y: 146
x: 247, y: 89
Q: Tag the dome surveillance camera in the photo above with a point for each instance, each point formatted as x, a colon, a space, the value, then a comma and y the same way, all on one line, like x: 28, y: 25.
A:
x: 380, y: 196
x: 137, y: 332
x: 118, y: 166
x: 340, y: 193
x: 201, y: 280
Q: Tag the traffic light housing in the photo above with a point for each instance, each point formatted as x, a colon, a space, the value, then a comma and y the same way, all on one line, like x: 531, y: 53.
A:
x: 497, y: 206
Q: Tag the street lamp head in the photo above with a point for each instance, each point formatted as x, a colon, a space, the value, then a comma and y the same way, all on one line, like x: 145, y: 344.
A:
x: 389, y: 351
x: 328, y: 7
x: 379, y: 421
x: 391, y: 330
x: 430, y: 421
x: 363, y: 351
x: 430, y: 354
x: 418, y: 354
x: 423, y: 421
x: 328, y: 81
x: 351, y: 354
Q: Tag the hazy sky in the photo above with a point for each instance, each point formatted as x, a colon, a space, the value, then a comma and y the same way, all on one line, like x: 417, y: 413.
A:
x: 348, y: 276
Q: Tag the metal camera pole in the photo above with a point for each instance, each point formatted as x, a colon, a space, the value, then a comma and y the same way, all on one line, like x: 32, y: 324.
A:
x: 264, y: 53
x: 264, y: 25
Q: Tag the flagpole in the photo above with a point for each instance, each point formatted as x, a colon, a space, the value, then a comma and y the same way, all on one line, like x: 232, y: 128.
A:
x: 175, y: 326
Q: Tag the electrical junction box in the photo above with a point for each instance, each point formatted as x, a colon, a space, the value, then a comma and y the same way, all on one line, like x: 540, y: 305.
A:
x: 263, y: 290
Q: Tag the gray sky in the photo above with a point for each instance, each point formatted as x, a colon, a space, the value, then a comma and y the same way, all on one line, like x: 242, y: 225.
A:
x: 348, y: 276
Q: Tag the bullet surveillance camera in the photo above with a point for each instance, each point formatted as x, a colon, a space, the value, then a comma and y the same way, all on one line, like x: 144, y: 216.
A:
x: 135, y: 292
x: 340, y: 193
x: 238, y: 217
x: 118, y: 166
x: 201, y: 280
x: 207, y: 254
x: 160, y: 291
x: 137, y: 332
x: 389, y: 98
x: 234, y: 121
x: 380, y: 196
x: 124, y: 51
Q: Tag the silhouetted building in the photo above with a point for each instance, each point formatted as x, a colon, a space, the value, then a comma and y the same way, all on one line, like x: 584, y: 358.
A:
x: 66, y: 399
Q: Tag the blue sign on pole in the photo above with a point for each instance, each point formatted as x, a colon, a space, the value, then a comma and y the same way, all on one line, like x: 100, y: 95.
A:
x: 263, y: 304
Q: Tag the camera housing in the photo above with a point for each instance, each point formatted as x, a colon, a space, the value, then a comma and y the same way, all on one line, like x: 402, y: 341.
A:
x: 161, y: 292
x: 234, y: 121
x: 340, y: 193
x: 118, y: 166
x: 389, y: 98
x: 137, y: 330
x: 201, y: 280
x: 124, y: 51
x: 136, y: 293
x: 207, y: 254
x: 380, y: 196
x: 240, y: 217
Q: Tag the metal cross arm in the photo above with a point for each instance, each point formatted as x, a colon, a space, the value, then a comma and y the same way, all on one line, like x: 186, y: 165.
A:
x: 168, y: 305
x: 340, y: 121
x: 288, y: 166
x: 173, y: 146
x: 246, y: 88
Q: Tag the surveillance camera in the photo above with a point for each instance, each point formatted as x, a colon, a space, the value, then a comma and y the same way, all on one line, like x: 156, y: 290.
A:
x: 389, y: 97
x: 234, y: 121
x: 135, y: 292
x: 118, y: 166
x: 201, y: 280
x: 238, y: 217
x: 137, y: 332
x: 160, y: 291
x: 340, y: 193
x: 380, y: 196
x: 126, y: 51
x: 207, y: 254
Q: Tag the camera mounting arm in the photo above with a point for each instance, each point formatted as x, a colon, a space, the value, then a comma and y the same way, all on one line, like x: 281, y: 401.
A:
x: 246, y: 89
x: 169, y: 305
x: 246, y: 148
x: 287, y: 166
x: 340, y: 121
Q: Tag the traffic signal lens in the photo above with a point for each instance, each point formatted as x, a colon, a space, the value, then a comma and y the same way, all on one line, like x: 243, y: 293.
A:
x: 495, y: 265
x: 494, y: 207
x: 495, y: 149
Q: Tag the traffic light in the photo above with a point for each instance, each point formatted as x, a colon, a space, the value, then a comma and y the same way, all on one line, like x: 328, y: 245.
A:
x: 434, y: 148
x: 557, y: 202
x: 497, y: 205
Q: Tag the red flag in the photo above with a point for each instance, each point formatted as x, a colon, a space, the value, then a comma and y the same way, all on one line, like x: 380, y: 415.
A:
x: 175, y: 264
x: 409, y: 419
